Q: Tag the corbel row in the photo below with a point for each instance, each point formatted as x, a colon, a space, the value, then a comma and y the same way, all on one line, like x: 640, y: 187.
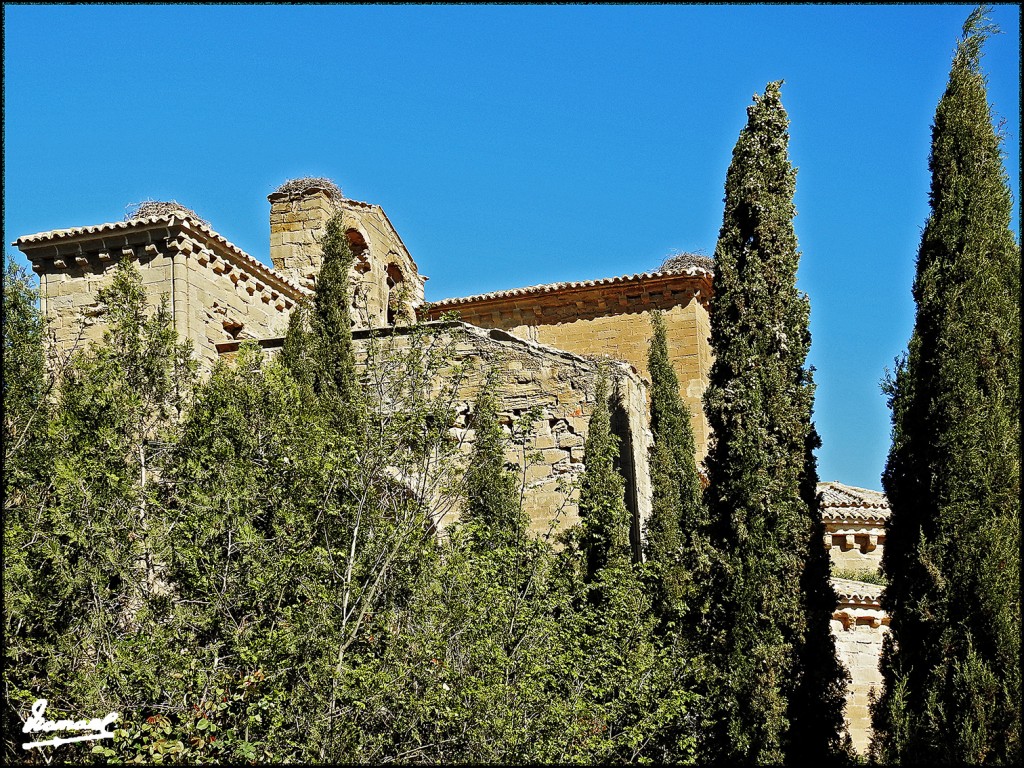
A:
x: 850, y: 619
x: 845, y: 541
x: 82, y: 256
x: 239, y: 276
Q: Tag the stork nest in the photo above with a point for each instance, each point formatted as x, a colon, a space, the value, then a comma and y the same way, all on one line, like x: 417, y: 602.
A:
x: 149, y: 208
x: 298, y: 186
x: 678, y: 262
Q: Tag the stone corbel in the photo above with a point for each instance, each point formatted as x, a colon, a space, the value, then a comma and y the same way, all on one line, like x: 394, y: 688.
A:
x: 183, y: 244
x: 870, y: 543
x: 845, y: 619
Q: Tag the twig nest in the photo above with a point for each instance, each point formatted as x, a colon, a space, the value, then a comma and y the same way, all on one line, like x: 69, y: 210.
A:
x: 679, y: 262
x: 298, y: 186
x: 149, y: 208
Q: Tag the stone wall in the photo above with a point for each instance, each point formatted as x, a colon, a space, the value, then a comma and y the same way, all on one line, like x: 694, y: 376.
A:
x: 859, y: 626
x: 856, y: 544
x: 611, y: 318
x: 215, y: 291
x: 561, y: 386
x: 855, y: 520
x: 387, y: 286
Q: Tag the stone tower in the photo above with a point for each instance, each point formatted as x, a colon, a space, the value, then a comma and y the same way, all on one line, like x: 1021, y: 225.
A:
x: 386, y: 285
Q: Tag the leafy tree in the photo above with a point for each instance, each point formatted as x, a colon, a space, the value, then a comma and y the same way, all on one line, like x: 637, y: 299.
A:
x: 780, y: 690
x: 297, y: 353
x: 86, y: 575
x: 24, y: 380
x: 951, y: 663
x: 676, y: 532
x: 245, y: 576
x: 25, y: 386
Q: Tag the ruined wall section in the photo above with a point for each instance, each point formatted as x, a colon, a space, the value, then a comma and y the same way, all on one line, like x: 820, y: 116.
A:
x: 562, y: 387
x: 387, y: 286
x: 611, y: 318
x: 215, y: 291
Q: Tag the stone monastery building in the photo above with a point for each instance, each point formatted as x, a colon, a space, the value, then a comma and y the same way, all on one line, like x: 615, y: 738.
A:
x: 546, y: 341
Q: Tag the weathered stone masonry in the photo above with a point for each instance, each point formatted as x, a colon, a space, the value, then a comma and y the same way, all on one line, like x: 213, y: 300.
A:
x: 386, y: 284
x: 611, y: 317
x: 562, y: 387
x: 215, y: 291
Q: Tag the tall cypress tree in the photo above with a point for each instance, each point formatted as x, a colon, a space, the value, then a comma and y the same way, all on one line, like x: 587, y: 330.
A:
x: 335, y: 377
x: 492, y: 498
x: 602, y: 501
x: 676, y: 529
x: 296, y: 351
x: 764, y: 512
x: 951, y: 664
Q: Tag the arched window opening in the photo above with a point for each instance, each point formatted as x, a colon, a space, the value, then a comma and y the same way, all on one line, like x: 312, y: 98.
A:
x: 360, y: 250
x: 396, y: 284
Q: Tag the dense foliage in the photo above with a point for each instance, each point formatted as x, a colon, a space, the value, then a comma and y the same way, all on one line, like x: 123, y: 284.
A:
x: 779, y: 689
x: 249, y: 568
x: 952, y: 660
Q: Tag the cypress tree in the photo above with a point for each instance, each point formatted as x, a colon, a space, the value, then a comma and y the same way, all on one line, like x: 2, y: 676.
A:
x: 602, y: 501
x: 491, y: 494
x: 676, y: 528
x: 335, y: 377
x: 775, y: 600
x: 951, y: 663
x: 296, y: 352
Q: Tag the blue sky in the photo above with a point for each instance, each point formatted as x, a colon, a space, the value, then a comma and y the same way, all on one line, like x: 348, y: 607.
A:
x: 516, y: 145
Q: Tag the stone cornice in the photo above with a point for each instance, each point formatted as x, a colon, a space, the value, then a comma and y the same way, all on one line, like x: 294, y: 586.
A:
x: 650, y: 283
x: 859, y: 603
x: 66, y: 248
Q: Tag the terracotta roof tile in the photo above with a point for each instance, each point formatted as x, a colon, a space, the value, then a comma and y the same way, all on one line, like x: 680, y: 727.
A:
x: 693, y: 271
x: 850, y: 503
x: 857, y: 591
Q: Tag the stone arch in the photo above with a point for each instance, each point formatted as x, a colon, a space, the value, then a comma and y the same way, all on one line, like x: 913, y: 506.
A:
x: 395, y: 281
x: 360, y: 248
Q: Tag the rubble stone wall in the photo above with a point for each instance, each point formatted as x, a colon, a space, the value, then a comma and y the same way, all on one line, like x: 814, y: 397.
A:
x: 561, y: 386
x: 613, y: 320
